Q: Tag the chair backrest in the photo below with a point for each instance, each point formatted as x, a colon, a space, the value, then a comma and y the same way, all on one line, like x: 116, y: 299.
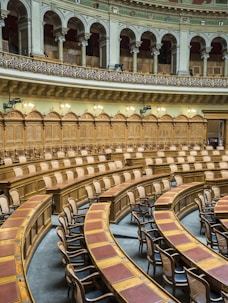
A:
x: 148, y: 171
x: 15, y: 196
x: 111, y: 165
x: 141, y: 191
x: 210, y: 165
x: 199, y: 288
x: 60, y: 154
x: 222, y: 240
x: 224, y: 173
x: 160, y: 153
x: 204, y: 152
x: 55, y: 164
x: 158, y: 161
x: 185, y: 166
x: 108, y: 150
x: 8, y: 161
x: 173, y: 168
x: 70, y: 175
x: 73, y: 204
x: 22, y: 159
x: 224, y: 296
x: 80, y: 172
x: 179, y: 180
x: 101, y: 167
x: 209, y: 147
x: 118, y: 150
x: 4, y: 204
x: 97, y: 187
x: 66, y: 162
x: 157, y: 188
x: 198, y: 166
x: 139, y: 155
x: 215, y: 152
x: 119, y: 164
x: 84, y: 152
x: 225, y: 158
x: 116, y: 179
x: 130, y: 149
x: 32, y: 168
x: 184, y: 147
x: 149, y: 161
x: 196, y: 147
x: 141, y: 149
x: 180, y: 159
x: 166, y: 184
x: 89, y: 191
x: 107, y: 183
x: 220, y: 147
x: 71, y: 153
x: 68, y: 213
x: 127, y: 156
x: 173, y: 147
x: 168, y: 264
x: 209, y: 175
x: 208, y: 195
x: 47, y: 181
x: 191, y: 159
x: 58, y: 177
x: 18, y: 171
x: 202, y: 199
x: 79, y: 291
x: 90, y: 170
x: 131, y: 198
x: 206, y: 158
x: 223, y: 165
x: 169, y: 160
x: 182, y: 153
x: 44, y: 166
x: 137, y: 173
x: 79, y: 160
x: 127, y: 176
x: 90, y: 159
x: 47, y: 156
x: 216, y: 192
x: 101, y: 158
x: 193, y: 152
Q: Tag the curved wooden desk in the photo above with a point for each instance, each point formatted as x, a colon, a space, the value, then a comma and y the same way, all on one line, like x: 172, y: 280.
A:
x: 19, y: 237
x: 124, y: 278
x: 194, y: 252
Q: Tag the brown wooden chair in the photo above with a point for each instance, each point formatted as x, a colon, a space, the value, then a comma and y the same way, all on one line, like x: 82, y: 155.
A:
x: 137, y: 207
x: 222, y: 239
x: 224, y: 296
x: 173, y: 274
x: 153, y: 255
x: 15, y: 198
x: 199, y: 288
x: 5, y: 211
x: 211, y: 238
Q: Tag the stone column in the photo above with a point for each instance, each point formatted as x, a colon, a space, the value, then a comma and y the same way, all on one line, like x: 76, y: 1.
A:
x: 134, y: 52
x: 2, y: 24
x: 60, y: 39
x: 205, y: 55
x: 225, y: 66
x: 155, y: 53
x: 83, y: 42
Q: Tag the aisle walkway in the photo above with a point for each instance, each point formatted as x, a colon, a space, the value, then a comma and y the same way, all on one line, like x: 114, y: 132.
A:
x: 46, y: 272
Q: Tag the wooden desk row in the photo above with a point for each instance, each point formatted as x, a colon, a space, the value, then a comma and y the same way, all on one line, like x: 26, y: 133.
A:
x: 19, y: 237
x: 168, y: 209
x: 124, y: 278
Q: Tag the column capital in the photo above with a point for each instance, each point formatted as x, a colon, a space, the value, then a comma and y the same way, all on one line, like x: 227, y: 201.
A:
x: 4, y: 13
x: 60, y: 38
x: 83, y: 39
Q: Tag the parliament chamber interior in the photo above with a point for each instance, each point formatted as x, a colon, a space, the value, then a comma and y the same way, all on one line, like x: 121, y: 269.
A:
x: 112, y: 112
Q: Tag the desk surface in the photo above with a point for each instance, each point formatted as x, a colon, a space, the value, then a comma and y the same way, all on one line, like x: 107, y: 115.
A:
x: 13, y: 285
x: 194, y: 252
x: 123, y: 276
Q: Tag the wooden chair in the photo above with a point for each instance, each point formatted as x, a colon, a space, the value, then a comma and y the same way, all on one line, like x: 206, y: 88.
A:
x: 22, y: 159
x: 173, y: 274
x: 127, y: 176
x: 118, y: 164
x: 179, y: 180
x: 78, y: 160
x: 8, y: 161
x: 83, y: 296
x: 148, y: 171
x: 70, y: 175
x: 107, y: 183
x: 18, y: 171
x: 90, y: 170
x: 71, y: 153
x: 137, y: 173
x: 90, y: 194
x: 58, y: 177
x: 166, y: 184
x: 224, y: 296
x: 147, y: 199
x: 66, y: 162
x: 170, y: 160
x: 199, y: 288
x: 47, y: 181
x: 55, y: 164
x: 211, y: 238
x: 116, y: 179
x: 157, y: 189
x: 15, y: 198
x: 149, y: 161
x: 31, y: 169
x: 5, y: 211
x: 224, y: 173
x: 111, y: 165
x: 101, y: 167
x: 78, y: 215
x: 44, y: 166
x: 173, y: 168
x: 198, y: 166
x: 153, y: 255
x: 136, y: 207
x: 222, y: 239
x: 90, y: 159
x: 80, y: 172
x: 101, y: 158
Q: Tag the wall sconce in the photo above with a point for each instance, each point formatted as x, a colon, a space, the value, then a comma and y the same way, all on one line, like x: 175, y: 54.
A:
x: 191, y: 110
x: 161, y: 110
x: 64, y: 105
x: 130, y: 109
x: 97, y: 108
x: 27, y: 105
